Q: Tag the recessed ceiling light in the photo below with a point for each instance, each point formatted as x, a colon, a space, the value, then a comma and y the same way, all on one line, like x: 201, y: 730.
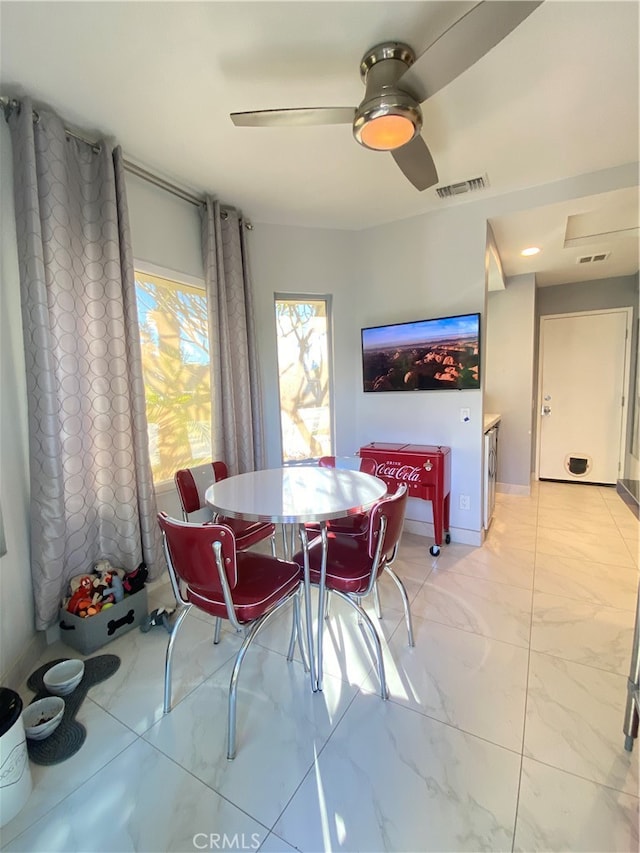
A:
x: 532, y: 250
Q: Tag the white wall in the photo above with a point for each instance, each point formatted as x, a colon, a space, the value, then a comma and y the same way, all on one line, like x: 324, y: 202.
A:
x: 427, y: 266
x: 19, y: 643
x: 509, y: 375
x: 286, y: 259
x: 619, y: 292
x: 434, y: 265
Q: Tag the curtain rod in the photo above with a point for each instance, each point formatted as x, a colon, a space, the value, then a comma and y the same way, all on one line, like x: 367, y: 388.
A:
x: 134, y: 169
x: 9, y: 103
x: 151, y: 178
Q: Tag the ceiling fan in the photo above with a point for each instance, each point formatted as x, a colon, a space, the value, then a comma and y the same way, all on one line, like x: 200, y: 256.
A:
x: 389, y: 117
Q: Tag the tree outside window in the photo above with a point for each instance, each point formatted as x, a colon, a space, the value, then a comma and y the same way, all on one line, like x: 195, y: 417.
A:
x: 175, y: 365
x: 302, y: 328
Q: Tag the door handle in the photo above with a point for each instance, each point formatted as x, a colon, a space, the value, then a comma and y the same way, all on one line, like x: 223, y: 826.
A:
x: 546, y: 410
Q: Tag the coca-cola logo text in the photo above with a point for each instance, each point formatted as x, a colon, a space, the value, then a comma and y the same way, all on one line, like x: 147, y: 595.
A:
x: 405, y: 473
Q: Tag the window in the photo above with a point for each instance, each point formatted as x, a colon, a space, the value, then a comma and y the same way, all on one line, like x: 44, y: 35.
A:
x: 175, y: 366
x: 303, y: 341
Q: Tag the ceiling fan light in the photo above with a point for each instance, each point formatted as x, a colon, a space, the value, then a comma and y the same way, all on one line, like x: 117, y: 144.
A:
x: 387, y: 121
x: 385, y: 133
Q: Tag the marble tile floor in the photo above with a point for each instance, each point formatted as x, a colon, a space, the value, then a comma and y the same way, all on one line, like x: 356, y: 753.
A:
x: 503, y: 731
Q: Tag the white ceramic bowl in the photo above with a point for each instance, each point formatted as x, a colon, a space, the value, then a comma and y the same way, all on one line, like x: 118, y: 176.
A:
x: 64, y: 677
x: 43, y: 717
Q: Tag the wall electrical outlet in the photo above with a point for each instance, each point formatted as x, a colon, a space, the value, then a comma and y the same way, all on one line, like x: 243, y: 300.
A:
x: 465, y: 502
x: 465, y: 415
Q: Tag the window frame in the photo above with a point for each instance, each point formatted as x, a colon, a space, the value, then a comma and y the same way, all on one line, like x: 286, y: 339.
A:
x: 327, y: 298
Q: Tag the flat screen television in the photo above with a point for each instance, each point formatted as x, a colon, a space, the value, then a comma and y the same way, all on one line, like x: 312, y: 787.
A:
x: 425, y: 355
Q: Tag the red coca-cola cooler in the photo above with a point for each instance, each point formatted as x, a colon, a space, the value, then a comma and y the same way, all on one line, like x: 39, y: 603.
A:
x: 426, y: 469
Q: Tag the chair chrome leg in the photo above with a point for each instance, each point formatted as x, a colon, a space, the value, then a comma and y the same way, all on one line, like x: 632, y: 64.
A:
x: 384, y: 693
x: 307, y: 607
x: 273, y: 545
x: 296, y: 632
x: 250, y: 633
x: 168, y: 659
x: 632, y: 706
x: 376, y: 600
x: 233, y: 688
x: 405, y: 602
x: 216, y: 631
x: 321, y: 600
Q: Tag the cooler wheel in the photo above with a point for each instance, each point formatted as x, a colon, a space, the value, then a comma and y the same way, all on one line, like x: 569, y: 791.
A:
x: 447, y: 538
x: 434, y: 550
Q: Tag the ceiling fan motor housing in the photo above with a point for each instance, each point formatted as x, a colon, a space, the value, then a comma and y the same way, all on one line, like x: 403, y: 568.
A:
x: 381, y: 68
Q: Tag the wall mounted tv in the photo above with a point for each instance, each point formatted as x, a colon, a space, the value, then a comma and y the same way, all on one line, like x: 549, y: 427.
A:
x: 425, y: 355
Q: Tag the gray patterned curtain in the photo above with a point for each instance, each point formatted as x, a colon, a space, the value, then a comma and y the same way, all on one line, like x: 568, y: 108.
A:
x: 236, y: 402
x: 91, y: 487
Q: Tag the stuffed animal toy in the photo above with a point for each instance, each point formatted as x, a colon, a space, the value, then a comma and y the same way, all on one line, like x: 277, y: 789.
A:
x: 160, y: 616
x: 81, y: 588
x: 102, y: 567
x: 84, y: 582
x: 113, y: 591
x: 80, y: 604
x: 106, y: 586
x: 87, y: 608
x: 134, y: 581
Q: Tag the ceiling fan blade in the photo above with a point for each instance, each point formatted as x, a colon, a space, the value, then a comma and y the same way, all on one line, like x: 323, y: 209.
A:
x: 463, y: 44
x: 416, y: 162
x: 295, y: 117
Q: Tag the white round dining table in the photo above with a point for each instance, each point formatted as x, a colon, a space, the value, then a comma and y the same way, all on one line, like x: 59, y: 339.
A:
x: 297, y: 495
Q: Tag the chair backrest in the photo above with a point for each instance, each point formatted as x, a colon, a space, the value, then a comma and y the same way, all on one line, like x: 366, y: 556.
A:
x: 392, y: 508
x: 192, y: 483
x: 191, y: 553
x: 352, y: 463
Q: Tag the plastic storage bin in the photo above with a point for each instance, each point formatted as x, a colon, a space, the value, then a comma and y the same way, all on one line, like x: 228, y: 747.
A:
x: 87, y: 635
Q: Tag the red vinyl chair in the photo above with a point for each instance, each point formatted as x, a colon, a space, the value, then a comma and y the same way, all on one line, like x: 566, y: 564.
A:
x: 351, y: 463
x: 208, y: 571
x: 354, y: 525
x: 354, y: 564
x: 192, y: 484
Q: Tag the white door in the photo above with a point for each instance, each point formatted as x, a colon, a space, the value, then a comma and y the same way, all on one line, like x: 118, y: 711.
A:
x: 582, y: 384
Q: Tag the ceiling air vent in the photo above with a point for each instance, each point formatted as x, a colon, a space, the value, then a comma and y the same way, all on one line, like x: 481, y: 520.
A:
x: 592, y: 259
x: 463, y: 187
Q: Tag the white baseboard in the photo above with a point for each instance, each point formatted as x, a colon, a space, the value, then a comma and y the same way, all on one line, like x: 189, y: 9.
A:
x: 458, y: 534
x: 511, y: 489
x: 26, y: 663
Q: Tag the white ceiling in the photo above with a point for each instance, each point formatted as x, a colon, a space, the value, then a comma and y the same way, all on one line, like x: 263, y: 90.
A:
x: 557, y: 98
x: 610, y: 226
